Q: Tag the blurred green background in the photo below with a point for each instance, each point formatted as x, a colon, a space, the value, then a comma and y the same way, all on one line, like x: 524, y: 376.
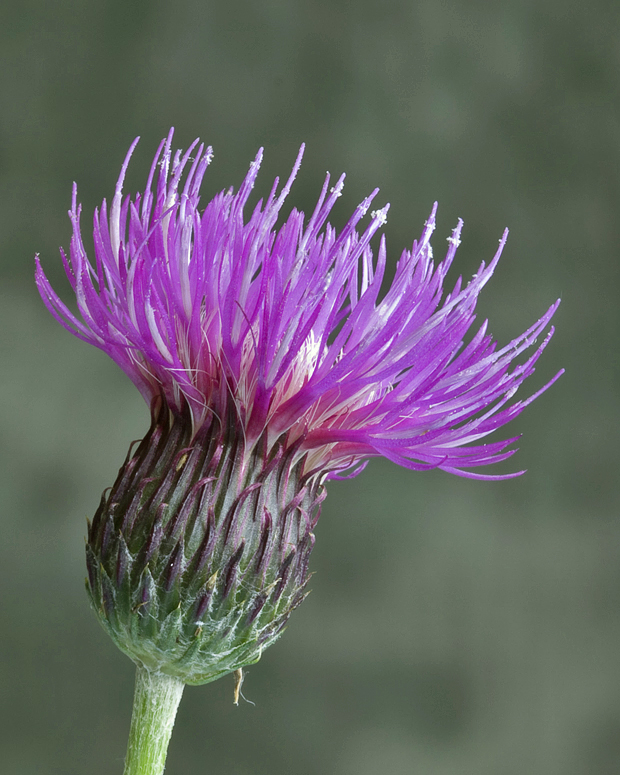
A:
x: 455, y: 627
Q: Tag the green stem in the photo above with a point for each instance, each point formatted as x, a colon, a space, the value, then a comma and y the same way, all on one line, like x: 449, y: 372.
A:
x: 155, y: 704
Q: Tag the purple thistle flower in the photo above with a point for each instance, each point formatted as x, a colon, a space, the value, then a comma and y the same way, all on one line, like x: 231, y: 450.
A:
x: 214, y: 311
x: 271, y: 364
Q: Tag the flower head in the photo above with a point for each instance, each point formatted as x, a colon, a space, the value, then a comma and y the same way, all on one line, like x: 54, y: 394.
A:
x: 216, y: 309
x: 271, y: 362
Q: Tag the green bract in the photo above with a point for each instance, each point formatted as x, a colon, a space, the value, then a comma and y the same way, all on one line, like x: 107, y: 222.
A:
x: 199, y: 552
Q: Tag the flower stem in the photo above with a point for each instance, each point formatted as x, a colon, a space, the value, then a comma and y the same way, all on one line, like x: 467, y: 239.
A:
x: 155, y: 704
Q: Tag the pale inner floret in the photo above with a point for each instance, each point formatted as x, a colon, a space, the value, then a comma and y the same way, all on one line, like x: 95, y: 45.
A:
x: 325, y: 411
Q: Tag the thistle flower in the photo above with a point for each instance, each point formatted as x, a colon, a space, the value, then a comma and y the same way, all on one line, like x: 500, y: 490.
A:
x: 271, y: 364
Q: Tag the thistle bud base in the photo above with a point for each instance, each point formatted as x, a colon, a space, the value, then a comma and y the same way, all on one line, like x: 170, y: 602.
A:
x: 199, y: 552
